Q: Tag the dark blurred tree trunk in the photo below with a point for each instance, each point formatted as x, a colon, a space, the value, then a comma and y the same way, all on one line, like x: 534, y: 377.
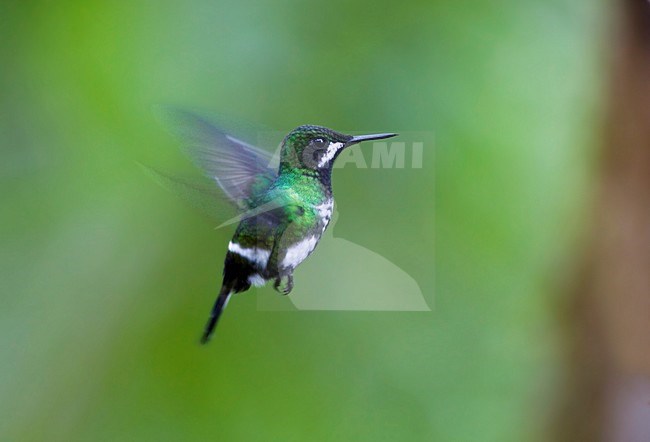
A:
x: 608, y: 393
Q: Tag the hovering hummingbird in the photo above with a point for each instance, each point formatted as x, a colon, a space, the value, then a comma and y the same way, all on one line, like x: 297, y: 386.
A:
x: 286, y: 209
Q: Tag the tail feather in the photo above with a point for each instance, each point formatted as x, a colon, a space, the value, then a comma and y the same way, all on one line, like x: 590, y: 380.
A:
x: 219, y: 305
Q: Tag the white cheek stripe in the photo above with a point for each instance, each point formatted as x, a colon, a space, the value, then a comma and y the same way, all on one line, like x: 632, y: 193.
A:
x: 331, y: 151
x: 254, y: 254
x: 299, y: 251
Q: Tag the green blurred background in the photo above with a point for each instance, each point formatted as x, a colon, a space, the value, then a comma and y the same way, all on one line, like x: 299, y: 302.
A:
x: 107, y: 279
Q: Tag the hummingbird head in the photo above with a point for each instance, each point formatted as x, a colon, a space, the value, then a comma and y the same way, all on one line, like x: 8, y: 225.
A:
x: 316, y: 147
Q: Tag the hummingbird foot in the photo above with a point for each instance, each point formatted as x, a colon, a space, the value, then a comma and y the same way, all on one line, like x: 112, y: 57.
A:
x: 284, y: 285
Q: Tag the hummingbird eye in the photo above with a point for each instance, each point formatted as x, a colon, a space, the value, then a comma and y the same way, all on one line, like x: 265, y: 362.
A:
x: 319, y: 142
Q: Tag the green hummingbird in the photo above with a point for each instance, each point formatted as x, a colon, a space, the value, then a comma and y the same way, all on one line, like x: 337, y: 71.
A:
x: 286, y: 209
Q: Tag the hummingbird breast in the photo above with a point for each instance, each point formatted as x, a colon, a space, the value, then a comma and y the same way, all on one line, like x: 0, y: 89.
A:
x: 261, y: 250
x: 302, y: 237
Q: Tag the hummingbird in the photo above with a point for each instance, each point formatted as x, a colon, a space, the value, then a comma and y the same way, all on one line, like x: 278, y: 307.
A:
x: 286, y: 209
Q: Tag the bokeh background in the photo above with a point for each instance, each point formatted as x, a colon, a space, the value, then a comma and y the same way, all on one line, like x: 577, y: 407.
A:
x: 107, y: 278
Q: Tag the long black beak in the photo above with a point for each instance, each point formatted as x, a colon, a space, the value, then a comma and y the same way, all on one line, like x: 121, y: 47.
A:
x: 359, y: 138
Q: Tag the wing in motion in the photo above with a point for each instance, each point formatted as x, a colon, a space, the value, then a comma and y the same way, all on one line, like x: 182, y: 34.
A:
x: 241, y: 170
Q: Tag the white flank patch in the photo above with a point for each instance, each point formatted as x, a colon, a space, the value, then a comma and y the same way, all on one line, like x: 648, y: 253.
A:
x: 331, y: 151
x: 253, y: 254
x: 299, y: 251
x: 256, y: 280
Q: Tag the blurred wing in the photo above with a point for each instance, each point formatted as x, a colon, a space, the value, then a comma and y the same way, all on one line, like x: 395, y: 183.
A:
x: 212, y: 203
x: 241, y: 170
x: 200, y: 195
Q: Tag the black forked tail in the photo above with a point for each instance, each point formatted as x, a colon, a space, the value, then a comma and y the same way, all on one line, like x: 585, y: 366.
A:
x: 219, y: 305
